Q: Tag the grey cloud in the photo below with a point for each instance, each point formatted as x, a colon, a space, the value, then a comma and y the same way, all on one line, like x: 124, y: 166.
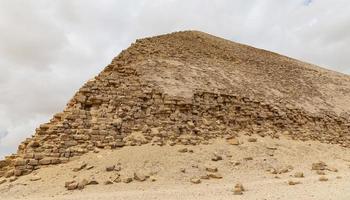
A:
x: 49, y: 48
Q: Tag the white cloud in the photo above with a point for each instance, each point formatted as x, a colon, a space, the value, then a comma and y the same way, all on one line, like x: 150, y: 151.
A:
x: 49, y: 48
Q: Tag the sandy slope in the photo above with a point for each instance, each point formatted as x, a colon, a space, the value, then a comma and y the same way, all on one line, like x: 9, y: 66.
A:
x: 164, y: 164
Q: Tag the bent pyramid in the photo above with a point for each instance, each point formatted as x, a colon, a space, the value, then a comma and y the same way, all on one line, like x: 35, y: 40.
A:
x: 188, y: 87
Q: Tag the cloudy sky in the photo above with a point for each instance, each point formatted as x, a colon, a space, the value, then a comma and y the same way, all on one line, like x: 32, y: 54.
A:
x: 48, y: 49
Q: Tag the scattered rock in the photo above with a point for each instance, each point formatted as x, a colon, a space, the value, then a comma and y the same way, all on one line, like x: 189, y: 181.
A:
x: 82, y: 184
x: 252, y: 140
x: 319, y: 166
x: 118, y: 167
x: 206, y: 177
x: 35, y: 178
x: 183, y: 170
x: 299, y: 175
x: 233, y: 141
x: 323, y: 179
x: 110, y: 168
x: 271, y: 148
x: 238, y: 189
x: 88, y: 167
x: 139, y: 176
x: 92, y: 182
x: 108, y: 182
x: 285, y: 169
x: 12, y: 179
x: 67, y: 183
x: 290, y: 182
x: 80, y: 167
x: 215, y: 176
x: 9, y: 173
x: 248, y: 158
x: 320, y: 172
x: 127, y: 180
x: 2, y: 180
x: 211, y: 169
x: 195, y: 180
x: 183, y: 150
x: 72, y: 186
x: 216, y: 157
x: 332, y: 169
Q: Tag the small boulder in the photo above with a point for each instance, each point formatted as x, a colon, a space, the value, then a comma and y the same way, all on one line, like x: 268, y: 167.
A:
x: 2, y: 180
x: 127, y: 180
x: 238, y: 189
x: 72, y: 186
x: 82, y: 184
x: 79, y: 167
x: 110, y: 168
x: 320, y: 172
x: 319, y: 166
x: 323, y: 179
x: 195, y: 180
x: 291, y: 182
x: 108, y: 182
x: 216, y: 157
x: 211, y: 169
x: 183, y: 150
x: 252, y: 140
x: 35, y: 178
x: 140, y: 176
x: 215, y: 175
x: 299, y: 175
x: 233, y: 141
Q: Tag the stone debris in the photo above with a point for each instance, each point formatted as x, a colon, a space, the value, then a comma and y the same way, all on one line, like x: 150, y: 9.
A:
x: 238, y: 189
x: 93, y: 182
x: 248, y: 158
x: 80, y: 167
x: 291, y: 182
x: 71, y: 185
x: 205, y: 177
x: 140, y: 176
x: 183, y: 150
x: 195, y: 180
x: 211, y: 169
x: 2, y: 180
x: 252, y: 140
x: 233, y: 141
x: 215, y: 175
x: 320, y: 172
x: 35, y: 178
x: 88, y: 167
x: 183, y: 170
x: 108, y: 182
x: 12, y: 179
x: 82, y: 184
x: 299, y: 175
x: 319, y: 166
x: 323, y: 179
x: 127, y: 180
x: 216, y: 157
x: 110, y: 168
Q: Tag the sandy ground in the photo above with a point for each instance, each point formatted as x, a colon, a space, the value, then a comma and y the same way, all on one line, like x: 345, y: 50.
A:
x: 164, y: 164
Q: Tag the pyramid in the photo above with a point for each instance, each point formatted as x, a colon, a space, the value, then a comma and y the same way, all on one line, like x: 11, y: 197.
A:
x: 187, y: 88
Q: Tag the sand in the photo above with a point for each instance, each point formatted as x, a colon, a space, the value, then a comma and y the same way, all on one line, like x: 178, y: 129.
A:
x: 164, y: 164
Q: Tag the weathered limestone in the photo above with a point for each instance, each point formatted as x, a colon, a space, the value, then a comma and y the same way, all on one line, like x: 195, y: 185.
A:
x: 121, y: 107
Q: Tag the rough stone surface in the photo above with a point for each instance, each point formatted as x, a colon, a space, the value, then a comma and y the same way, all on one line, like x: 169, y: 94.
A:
x: 170, y: 89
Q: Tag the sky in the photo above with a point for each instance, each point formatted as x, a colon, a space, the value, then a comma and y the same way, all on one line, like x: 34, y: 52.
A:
x: 48, y: 49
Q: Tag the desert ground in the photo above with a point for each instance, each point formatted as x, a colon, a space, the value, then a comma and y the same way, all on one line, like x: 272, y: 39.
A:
x: 266, y: 168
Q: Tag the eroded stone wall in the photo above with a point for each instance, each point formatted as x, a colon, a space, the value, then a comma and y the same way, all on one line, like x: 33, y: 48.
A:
x: 117, y: 108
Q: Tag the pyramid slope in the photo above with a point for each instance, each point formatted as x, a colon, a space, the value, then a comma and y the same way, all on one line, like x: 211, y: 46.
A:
x: 186, y: 88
